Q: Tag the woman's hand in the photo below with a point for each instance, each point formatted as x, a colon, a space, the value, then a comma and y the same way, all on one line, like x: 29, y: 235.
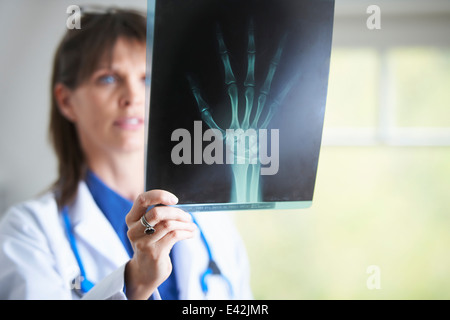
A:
x: 151, y: 264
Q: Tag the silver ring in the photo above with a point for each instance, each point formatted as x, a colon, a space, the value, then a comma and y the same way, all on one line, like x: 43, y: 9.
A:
x: 149, y: 229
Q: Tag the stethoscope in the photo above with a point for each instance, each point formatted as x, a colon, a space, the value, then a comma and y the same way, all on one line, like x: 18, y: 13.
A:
x: 85, y: 285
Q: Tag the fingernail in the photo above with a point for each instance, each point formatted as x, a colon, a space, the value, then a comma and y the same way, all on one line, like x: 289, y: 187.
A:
x: 174, y: 199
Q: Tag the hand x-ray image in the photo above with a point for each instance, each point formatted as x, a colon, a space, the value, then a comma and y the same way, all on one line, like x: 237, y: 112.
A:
x: 238, y: 93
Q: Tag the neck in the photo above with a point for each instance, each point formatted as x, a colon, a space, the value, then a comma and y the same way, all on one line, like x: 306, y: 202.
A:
x: 123, y: 173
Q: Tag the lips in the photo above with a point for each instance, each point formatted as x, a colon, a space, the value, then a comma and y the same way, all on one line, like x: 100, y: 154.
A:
x: 129, y: 123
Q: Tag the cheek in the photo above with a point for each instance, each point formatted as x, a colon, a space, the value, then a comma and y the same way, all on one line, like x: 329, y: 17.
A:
x: 93, y: 111
x: 91, y: 100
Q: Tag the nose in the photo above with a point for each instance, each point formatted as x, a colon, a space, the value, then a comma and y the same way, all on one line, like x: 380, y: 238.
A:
x: 132, y: 93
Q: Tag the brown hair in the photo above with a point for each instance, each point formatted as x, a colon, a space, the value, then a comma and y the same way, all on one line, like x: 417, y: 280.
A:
x: 76, y: 58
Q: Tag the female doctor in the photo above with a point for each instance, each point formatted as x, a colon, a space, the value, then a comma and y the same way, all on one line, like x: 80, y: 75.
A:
x: 95, y: 235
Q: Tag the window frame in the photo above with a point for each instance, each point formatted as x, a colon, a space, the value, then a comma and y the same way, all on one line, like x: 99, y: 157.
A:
x: 420, y: 24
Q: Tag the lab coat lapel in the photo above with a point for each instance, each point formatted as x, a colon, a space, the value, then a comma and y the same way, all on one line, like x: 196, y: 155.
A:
x: 189, y: 261
x: 94, y: 230
x: 181, y: 267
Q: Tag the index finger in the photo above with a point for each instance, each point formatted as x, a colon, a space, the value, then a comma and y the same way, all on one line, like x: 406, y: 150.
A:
x: 147, y: 199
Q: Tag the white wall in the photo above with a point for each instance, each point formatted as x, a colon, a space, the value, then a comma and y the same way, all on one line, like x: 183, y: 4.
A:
x: 29, y: 33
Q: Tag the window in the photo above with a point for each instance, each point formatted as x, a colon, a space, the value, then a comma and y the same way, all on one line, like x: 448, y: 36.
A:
x: 390, y: 86
x: 396, y: 96
x: 421, y: 79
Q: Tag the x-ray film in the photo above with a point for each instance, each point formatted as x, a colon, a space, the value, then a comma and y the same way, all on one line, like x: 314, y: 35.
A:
x: 237, y: 101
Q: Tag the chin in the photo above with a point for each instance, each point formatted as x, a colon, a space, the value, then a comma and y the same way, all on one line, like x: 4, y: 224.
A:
x: 131, y: 143
x: 132, y: 146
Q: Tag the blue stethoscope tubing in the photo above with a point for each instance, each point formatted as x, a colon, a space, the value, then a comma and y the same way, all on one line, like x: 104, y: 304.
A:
x: 212, y: 268
x: 86, y: 285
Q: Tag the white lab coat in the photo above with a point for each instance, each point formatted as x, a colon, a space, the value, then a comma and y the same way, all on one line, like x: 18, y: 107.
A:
x: 37, y: 262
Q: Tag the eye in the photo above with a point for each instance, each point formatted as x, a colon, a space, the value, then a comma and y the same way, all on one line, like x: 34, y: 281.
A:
x: 107, y: 79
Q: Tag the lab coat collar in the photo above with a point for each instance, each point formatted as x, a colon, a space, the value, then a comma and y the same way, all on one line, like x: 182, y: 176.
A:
x: 94, y: 230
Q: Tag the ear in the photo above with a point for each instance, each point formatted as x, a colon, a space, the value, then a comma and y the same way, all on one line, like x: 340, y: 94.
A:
x: 63, y: 99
